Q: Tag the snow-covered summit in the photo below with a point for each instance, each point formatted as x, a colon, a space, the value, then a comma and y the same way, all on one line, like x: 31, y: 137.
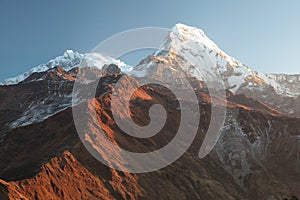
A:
x: 67, y: 61
x: 182, y: 36
x: 209, y: 61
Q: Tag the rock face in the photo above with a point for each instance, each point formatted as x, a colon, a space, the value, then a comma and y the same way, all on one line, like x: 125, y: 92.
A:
x: 62, y: 178
x: 112, y: 69
x: 46, y: 159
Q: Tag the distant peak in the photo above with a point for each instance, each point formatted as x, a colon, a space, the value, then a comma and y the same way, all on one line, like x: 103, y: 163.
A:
x: 69, y: 60
x: 188, y: 29
x: 194, y: 34
x: 71, y: 54
x: 69, y: 51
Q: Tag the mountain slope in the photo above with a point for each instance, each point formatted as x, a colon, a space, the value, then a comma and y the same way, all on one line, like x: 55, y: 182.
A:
x: 62, y: 178
x: 242, y: 161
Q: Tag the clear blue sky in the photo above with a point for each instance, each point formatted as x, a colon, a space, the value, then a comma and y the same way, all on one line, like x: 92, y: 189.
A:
x: 264, y: 35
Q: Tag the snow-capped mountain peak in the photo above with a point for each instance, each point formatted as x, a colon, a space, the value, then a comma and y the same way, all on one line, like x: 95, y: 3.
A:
x: 184, y: 33
x: 189, y: 35
x: 70, y: 59
x: 196, y: 49
x: 207, y: 59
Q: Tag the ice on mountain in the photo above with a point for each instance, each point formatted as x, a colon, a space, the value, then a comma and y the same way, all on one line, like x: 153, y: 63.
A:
x: 71, y: 59
x: 198, y: 50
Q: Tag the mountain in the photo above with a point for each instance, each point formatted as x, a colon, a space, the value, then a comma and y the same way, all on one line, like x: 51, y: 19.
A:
x: 189, y: 49
x: 43, y: 157
x: 195, y: 53
x: 249, y: 162
x: 68, y: 61
x: 198, y: 50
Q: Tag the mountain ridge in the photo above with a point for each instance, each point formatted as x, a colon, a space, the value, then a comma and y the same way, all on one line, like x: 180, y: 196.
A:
x: 193, y: 44
x: 251, y: 149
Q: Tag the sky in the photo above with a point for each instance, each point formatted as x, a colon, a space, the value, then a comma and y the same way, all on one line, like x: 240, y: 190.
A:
x: 264, y: 35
